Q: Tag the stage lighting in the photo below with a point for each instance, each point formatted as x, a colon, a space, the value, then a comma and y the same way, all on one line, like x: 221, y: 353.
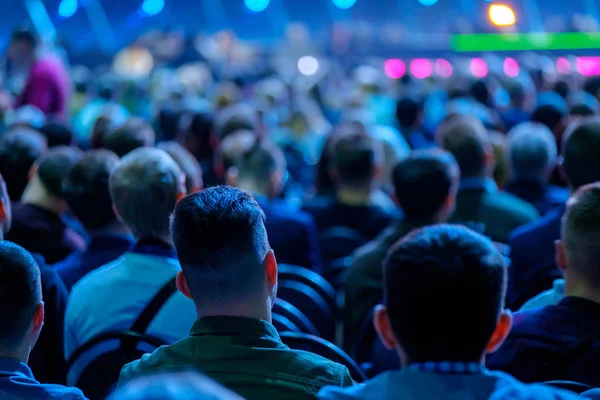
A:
x: 428, y: 2
x: 479, y: 68
x: 443, y: 68
x: 153, y: 7
x: 257, y: 5
x: 588, y: 66
x: 394, y: 68
x: 511, y: 67
x: 308, y: 65
x: 67, y: 8
x: 502, y: 15
x: 344, y: 4
x: 563, y: 66
x: 421, y: 68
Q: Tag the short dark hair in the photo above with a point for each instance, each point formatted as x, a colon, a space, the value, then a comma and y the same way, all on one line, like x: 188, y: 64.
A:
x: 581, y: 232
x: 198, y: 128
x: 86, y: 190
x: 423, y: 181
x: 57, y: 134
x: 592, y: 86
x: 444, y: 289
x: 562, y: 88
x: 221, y: 241
x: 354, y: 158
x: 25, y: 35
x: 549, y: 115
x: 20, y: 293
x: 582, y: 110
x: 480, y: 92
x: 188, y: 164
x: 54, y: 166
x: 469, y: 142
x: 581, y: 153
x: 407, y: 112
x: 260, y: 162
x: 132, y: 135
x: 19, y: 148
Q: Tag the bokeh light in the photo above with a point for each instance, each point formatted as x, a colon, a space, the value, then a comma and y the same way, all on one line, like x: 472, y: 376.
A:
x: 502, y: 15
x: 67, y: 8
x: 421, y: 68
x: 511, y: 67
x: 308, y: 65
x: 443, y: 68
x: 344, y: 4
x: 153, y: 7
x: 563, y: 66
x: 588, y: 66
x: 257, y: 5
x: 479, y: 68
x: 428, y: 2
x: 394, y: 68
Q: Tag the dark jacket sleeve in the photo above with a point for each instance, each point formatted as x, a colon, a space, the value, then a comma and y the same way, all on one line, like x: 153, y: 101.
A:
x: 313, y: 255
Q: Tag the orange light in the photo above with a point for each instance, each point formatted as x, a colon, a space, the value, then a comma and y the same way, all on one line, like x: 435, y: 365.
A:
x: 502, y: 15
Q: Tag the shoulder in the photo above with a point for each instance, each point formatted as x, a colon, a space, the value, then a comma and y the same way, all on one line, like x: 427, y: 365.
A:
x: 592, y: 394
x: 317, y: 205
x: 512, y: 205
x: 160, y: 360
x: 334, y: 392
x: 549, y: 222
x: 97, y: 279
x: 320, y: 368
x: 508, y: 387
x: 60, y: 392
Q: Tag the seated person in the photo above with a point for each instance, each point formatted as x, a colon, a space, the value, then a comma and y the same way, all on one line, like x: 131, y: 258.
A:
x: 57, y: 134
x: 425, y: 188
x: 230, y: 273
x: 356, y: 166
x: 409, y: 114
x: 86, y: 191
x: 144, y: 187
x: 188, y: 164
x: 292, y: 233
x: 561, y: 342
x: 479, y: 199
x: 173, y: 386
x: 533, y: 261
x: 37, y: 223
x: 532, y: 156
x: 21, y: 321
x: 443, y: 311
x: 133, y: 134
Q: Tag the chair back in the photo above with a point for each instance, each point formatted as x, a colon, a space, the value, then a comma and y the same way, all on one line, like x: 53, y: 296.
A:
x: 315, y: 281
x: 335, y: 272
x: 295, y: 316
x: 569, y: 385
x: 283, y: 324
x: 100, y: 376
x: 316, y: 345
x: 338, y: 242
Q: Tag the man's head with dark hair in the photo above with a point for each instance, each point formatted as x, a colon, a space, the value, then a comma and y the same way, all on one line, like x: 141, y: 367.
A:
x: 54, y: 166
x: 23, y: 45
x: 444, y: 289
x: 21, y: 306
x: 197, y: 130
x: 188, y: 164
x: 261, y: 171
x: 85, y: 189
x: 355, y: 160
x: 562, y: 88
x: 57, y: 134
x: 480, y: 92
x: 581, y: 110
x: 425, y: 185
x: 19, y: 149
x: 132, y: 135
x: 551, y: 116
x: 408, y: 112
x: 592, y: 86
x: 581, y: 153
x: 578, y: 251
x: 469, y: 142
x: 228, y: 266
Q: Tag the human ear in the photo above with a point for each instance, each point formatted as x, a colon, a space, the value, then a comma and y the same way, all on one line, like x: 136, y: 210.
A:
x: 382, y: 324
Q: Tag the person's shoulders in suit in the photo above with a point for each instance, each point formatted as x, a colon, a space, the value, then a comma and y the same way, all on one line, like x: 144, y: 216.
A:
x: 508, y: 205
x: 538, y: 228
x: 317, y: 204
x: 281, y: 210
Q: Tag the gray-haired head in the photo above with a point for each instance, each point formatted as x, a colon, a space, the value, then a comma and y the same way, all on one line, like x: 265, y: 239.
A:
x: 531, y: 152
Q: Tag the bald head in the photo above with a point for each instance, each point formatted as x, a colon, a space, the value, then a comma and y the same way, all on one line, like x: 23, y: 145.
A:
x: 145, y: 188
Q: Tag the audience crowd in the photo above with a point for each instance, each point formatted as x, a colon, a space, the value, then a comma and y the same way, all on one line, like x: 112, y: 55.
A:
x: 263, y: 238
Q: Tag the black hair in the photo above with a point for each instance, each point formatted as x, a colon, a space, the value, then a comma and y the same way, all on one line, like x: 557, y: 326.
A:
x: 444, y: 289
x: 581, y: 110
x: 25, y: 35
x: 354, y: 158
x: 259, y: 163
x: 20, y: 293
x: 86, y: 190
x: 562, y: 88
x: 197, y: 134
x: 592, y: 86
x: 423, y: 182
x: 54, y: 166
x: 132, y: 135
x: 408, y: 111
x: 549, y: 115
x: 57, y: 134
x: 480, y: 92
x: 582, y: 154
x: 221, y: 242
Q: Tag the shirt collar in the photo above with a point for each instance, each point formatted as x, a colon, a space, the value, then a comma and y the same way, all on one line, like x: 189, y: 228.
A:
x: 10, y: 367
x: 447, y: 367
x: 225, y: 326
x: 154, y: 247
x: 476, y: 183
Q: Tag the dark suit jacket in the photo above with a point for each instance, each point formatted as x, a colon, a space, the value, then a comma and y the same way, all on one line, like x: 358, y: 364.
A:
x: 480, y: 201
x: 292, y: 234
x: 533, y: 267
x: 558, y: 342
x: 543, y: 197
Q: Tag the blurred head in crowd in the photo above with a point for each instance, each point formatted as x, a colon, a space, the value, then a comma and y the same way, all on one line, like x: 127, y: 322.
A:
x: 501, y: 165
x: 592, y: 86
x: 581, y: 110
x: 103, y: 125
x: 21, y: 305
x: 57, y: 134
x: 132, y: 135
x: 235, y: 118
x: 562, y: 88
x: 231, y: 150
x: 261, y: 171
x: 460, y: 317
x: 409, y: 112
x: 552, y: 116
x: 581, y: 153
x: 188, y: 164
x: 425, y: 185
x: 480, y: 92
x: 19, y: 148
x: 145, y: 187
x: 197, y: 130
x: 469, y: 142
x: 85, y: 189
x: 23, y: 45
x: 174, y: 386
x: 532, y: 152
x: 45, y: 189
x: 578, y: 251
x: 228, y: 265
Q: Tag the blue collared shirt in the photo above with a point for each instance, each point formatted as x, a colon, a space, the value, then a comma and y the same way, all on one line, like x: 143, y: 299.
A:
x: 17, y: 383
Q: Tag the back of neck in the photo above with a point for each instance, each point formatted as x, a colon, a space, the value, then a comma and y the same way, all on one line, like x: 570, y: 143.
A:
x: 354, y: 196
x: 35, y: 194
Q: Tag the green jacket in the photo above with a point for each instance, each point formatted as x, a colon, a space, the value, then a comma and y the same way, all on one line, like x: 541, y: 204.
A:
x: 247, y: 356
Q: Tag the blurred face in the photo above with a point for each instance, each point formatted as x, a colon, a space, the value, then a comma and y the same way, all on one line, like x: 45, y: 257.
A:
x: 21, y: 52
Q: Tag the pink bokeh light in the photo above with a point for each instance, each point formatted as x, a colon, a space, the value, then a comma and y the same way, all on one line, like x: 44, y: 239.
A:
x: 479, y: 68
x: 511, y: 67
x: 394, y: 68
x: 421, y: 68
x: 588, y: 66
x: 443, y: 68
x: 563, y: 66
